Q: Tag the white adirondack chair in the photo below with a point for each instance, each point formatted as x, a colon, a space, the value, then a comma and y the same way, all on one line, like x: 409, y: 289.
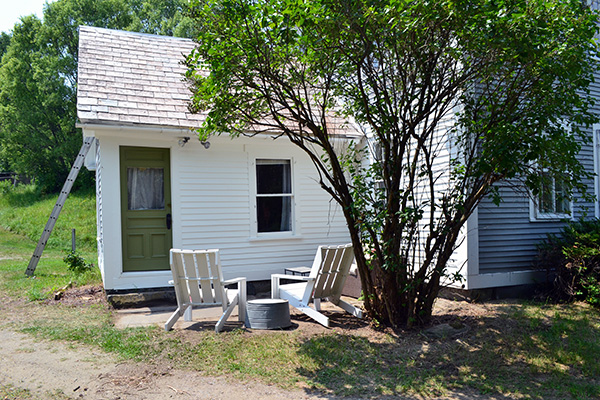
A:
x: 326, y: 280
x: 199, y: 282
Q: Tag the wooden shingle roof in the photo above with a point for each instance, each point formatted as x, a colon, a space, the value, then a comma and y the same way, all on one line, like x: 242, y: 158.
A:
x: 137, y: 79
x: 128, y: 78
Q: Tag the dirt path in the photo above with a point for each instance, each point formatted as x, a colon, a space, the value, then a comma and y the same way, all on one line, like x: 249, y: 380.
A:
x: 57, y: 370
x: 45, y: 368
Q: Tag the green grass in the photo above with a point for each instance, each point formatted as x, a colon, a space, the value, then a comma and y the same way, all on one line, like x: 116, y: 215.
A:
x: 23, y: 210
x: 523, y: 350
x: 51, y: 273
x: 23, y: 215
x: 10, y: 392
x: 532, y: 349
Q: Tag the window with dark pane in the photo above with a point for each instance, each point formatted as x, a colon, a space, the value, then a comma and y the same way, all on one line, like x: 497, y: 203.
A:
x: 273, y: 195
x: 553, y: 197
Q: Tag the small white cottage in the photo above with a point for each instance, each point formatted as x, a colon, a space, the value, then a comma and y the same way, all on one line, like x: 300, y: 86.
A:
x: 256, y: 199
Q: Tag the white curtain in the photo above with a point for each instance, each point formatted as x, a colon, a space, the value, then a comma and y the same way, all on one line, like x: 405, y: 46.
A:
x: 145, y: 189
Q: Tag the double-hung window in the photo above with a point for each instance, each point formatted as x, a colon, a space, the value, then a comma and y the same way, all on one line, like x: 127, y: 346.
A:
x: 552, y: 201
x: 274, y: 195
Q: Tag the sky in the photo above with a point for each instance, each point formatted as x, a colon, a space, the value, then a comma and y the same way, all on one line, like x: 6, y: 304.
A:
x: 12, y: 10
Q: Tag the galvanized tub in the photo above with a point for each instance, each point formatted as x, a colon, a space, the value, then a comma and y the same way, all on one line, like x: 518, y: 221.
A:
x: 268, y: 314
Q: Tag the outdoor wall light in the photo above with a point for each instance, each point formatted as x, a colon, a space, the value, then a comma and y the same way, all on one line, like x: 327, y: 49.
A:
x: 183, y: 141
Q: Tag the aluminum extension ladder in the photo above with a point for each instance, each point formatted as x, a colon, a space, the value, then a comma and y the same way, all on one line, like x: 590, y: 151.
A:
x: 64, y: 193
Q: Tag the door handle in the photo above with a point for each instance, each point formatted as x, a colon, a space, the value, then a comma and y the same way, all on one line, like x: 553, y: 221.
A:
x: 169, y: 221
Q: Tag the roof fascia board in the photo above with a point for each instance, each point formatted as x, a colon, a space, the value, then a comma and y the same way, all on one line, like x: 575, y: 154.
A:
x: 90, y: 129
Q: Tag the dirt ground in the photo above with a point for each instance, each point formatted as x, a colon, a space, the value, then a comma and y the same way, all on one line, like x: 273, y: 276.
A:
x: 61, y: 370
x: 46, y: 368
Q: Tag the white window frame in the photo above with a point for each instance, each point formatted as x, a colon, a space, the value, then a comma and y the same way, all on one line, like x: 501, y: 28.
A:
x: 537, y: 215
x: 596, y: 141
x: 254, y: 234
x: 534, y: 210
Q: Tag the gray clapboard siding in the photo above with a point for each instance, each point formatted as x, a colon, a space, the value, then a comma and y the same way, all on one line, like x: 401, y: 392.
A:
x: 508, y: 238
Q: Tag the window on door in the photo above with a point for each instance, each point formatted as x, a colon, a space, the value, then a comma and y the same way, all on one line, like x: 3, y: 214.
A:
x: 274, y: 195
x: 145, y: 188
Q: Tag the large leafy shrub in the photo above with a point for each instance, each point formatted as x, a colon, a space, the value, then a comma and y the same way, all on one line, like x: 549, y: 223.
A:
x: 573, y: 256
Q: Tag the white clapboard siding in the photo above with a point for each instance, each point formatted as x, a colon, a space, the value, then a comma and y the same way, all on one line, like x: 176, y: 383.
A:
x: 215, y: 199
x: 130, y: 92
x: 442, y: 152
x: 212, y: 199
x: 99, y: 208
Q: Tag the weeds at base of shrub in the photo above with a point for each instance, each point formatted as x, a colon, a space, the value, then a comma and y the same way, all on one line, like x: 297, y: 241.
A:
x: 76, y: 263
x: 573, y: 257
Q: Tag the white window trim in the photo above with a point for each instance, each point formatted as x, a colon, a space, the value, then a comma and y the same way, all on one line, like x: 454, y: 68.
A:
x: 596, y: 141
x: 536, y: 215
x: 254, y: 234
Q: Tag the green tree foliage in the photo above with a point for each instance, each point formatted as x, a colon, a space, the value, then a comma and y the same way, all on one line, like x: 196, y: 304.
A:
x: 35, y: 106
x: 161, y: 17
x: 38, y: 78
x: 457, y: 95
x: 4, y: 42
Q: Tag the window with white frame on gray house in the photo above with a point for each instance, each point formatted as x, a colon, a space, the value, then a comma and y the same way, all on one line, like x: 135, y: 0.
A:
x: 596, y: 142
x: 274, y: 195
x: 552, y: 201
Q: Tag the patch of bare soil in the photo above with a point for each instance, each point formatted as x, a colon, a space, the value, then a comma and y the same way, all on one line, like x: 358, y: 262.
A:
x: 84, y: 295
x: 445, y: 312
x: 451, y: 312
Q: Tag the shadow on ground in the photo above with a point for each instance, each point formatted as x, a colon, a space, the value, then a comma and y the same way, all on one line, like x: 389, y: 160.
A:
x: 510, y: 351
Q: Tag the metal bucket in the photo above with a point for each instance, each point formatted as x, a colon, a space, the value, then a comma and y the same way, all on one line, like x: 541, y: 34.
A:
x: 268, y: 314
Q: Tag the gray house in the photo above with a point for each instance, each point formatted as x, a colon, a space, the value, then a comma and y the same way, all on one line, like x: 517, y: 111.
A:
x: 501, y: 241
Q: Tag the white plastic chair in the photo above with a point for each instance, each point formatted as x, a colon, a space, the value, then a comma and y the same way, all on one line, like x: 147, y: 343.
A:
x: 326, y: 280
x: 199, y: 282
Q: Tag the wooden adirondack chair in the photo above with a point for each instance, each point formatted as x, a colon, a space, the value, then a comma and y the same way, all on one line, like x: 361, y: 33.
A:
x: 199, y: 282
x: 326, y: 280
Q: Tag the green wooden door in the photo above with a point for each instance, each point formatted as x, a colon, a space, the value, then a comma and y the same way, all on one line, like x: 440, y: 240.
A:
x: 145, y: 208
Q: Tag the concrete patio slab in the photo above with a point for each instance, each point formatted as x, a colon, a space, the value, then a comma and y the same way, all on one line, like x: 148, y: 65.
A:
x: 158, y: 315
x: 202, y: 318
